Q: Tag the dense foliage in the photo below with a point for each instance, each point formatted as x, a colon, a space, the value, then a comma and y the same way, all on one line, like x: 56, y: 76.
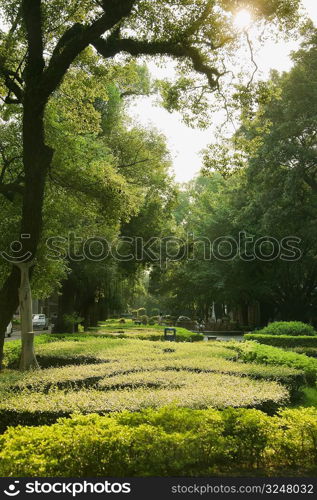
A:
x: 292, y: 328
x: 167, y: 442
x: 257, y: 196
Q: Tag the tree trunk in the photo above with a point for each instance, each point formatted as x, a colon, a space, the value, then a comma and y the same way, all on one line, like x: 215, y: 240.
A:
x: 86, y: 310
x: 37, y: 158
x: 28, y: 360
x: 9, y: 302
x: 66, y: 307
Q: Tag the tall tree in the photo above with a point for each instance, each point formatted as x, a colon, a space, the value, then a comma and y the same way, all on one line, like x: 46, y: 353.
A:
x: 37, y: 52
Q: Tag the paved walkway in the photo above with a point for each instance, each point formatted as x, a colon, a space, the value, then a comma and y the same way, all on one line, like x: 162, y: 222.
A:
x: 16, y: 335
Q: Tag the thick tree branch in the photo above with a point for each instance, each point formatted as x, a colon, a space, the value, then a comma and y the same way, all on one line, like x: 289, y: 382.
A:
x: 13, y: 87
x: 112, y: 46
x: 311, y: 181
x: 33, y: 23
x: 77, y: 38
x: 10, y: 100
x: 195, y: 26
x: 6, y: 163
x: 11, y: 189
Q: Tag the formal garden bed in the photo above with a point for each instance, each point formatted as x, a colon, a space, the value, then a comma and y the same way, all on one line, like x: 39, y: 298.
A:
x: 132, y: 398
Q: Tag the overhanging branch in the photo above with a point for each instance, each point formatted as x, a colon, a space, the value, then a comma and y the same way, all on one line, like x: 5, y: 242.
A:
x: 10, y: 190
x: 13, y: 87
x: 112, y: 46
x: 78, y: 38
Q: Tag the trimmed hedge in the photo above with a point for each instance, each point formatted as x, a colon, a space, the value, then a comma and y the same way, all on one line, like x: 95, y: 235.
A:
x: 152, y: 332
x: 283, y: 340
x: 180, y: 336
x: 136, y: 391
x: 254, y: 352
x: 309, y: 351
x: 168, y: 442
x: 293, y: 328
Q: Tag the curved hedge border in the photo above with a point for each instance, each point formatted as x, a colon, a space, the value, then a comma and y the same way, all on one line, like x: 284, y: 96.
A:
x: 135, y: 391
x: 283, y: 340
x: 254, y: 352
x: 293, y: 328
x: 168, y: 442
x: 180, y: 337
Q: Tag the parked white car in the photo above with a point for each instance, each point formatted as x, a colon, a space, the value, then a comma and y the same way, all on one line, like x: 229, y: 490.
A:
x: 9, y: 329
x: 40, y: 321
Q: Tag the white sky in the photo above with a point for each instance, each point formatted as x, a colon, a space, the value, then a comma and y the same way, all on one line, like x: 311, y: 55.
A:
x: 185, y: 143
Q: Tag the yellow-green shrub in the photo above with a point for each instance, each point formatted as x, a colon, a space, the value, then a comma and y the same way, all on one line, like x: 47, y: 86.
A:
x: 167, y: 442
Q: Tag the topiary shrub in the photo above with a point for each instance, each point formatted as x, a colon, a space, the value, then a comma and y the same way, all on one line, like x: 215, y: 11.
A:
x: 141, y: 311
x: 144, y: 319
x: 293, y: 328
x: 153, y: 320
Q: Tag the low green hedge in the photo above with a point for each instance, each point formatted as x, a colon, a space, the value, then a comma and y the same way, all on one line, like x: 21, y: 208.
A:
x: 293, y: 328
x: 254, y: 352
x: 185, y: 336
x: 309, y: 351
x: 283, y: 340
x: 167, y: 442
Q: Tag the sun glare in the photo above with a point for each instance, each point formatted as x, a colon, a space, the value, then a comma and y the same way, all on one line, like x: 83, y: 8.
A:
x: 243, y: 19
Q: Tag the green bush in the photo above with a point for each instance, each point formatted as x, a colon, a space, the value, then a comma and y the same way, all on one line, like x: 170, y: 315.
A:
x: 153, y: 320
x: 141, y: 312
x: 71, y: 320
x: 309, y: 351
x: 165, y: 442
x: 182, y: 335
x: 293, y: 328
x: 144, y: 319
x: 255, y: 352
x: 283, y: 340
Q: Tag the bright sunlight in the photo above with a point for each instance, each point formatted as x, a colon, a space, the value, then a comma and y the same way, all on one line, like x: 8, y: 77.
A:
x: 243, y: 19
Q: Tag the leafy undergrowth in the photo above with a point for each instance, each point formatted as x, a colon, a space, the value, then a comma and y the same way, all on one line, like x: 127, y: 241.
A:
x: 119, y: 374
x: 168, y: 442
